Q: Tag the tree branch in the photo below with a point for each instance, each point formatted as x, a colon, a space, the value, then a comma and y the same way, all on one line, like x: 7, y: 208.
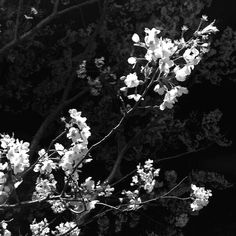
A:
x: 42, y: 23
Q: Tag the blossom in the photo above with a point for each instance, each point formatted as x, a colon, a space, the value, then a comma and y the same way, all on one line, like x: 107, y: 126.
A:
x: 159, y: 89
x: 182, y: 73
x: 57, y: 206
x: 44, y: 165
x: 74, y: 134
x: 18, y: 157
x: 59, y: 148
x: 169, y: 99
x: 68, y: 228
x: 171, y: 96
x: 191, y: 56
x: 91, y: 205
x: 6, y: 141
x: 150, y: 37
x: 40, y: 228
x: 145, y: 177
x: 165, y: 65
x: 44, y: 188
x: 67, y: 160
x: 161, y: 48
x: 89, y: 184
x: 136, y: 97
x: 200, y: 197
x: 131, y: 80
x: 76, y: 116
x: 133, y: 198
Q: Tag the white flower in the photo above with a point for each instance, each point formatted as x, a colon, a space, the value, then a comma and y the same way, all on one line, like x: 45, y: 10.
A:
x: 159, y: 89
x: 74, y: 134
x: 135, y: 38
x: 150, y: 37
x: 57, y: 206
x: 181, y: 74
x: 191, y: 56
x: 59, y: 148
x: 44, y: 187
x: 171, y: 97
x: 165, y: 65
x: 67, y: 161
x: 136, y: 97
x: 76, y: 115
x: 131, y: 80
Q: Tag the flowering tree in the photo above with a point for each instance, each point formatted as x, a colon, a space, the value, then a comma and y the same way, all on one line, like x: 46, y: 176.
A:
x: 159, y: 69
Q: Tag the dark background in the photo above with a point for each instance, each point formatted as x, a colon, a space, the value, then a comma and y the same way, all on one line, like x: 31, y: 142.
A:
x: 219, y: 218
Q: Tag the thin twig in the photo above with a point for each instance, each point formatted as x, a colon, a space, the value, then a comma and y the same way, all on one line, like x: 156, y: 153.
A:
x: 164, y: 195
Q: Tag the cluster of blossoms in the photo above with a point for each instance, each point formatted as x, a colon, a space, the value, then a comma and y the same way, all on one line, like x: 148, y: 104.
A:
x: 145, y: 179
x: 40, y: 228
x: 44, y: 187
x: 200, y: 197
x: 167, y: 62
x: 15, y: 153
x: 14, y: 159
x: 69, y: 160
x: 3, y: 229
x: 134, y: 200
x: 64, y: 228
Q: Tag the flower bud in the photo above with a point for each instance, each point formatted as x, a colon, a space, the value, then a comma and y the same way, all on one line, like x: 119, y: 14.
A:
x: 135, y: 38
x: 132, y: 60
